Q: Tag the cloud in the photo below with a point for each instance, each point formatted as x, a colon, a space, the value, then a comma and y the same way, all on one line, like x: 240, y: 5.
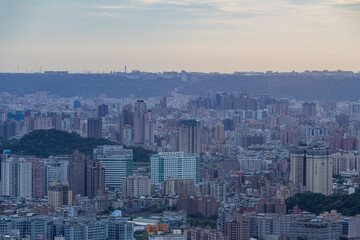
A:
x: 346, y: 4
x: 103, y: 14
x: 349, y: 5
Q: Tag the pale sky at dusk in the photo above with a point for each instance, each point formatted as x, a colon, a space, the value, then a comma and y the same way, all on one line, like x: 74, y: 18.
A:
x: 194, y: 35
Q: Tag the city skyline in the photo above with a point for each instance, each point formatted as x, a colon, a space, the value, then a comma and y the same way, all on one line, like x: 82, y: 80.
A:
x: 163, y: 35
x: 179, y: 119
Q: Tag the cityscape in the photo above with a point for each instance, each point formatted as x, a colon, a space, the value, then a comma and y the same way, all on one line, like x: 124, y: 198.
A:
x: 180, y: 120
x: 219, y: 165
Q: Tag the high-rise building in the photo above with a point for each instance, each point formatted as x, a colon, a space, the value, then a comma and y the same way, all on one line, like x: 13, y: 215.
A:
x: 128, y: 115
x: 77, y: 173
x: 56, y: 170
x: 7, y: 129
x: 178, y: 187
x: 149, y: 129
x: 57, y: 122
x: 139, y: 122
x: 189, y: 137
x: 94, y: 128
x: 219, y: 132
x: 29, y: 124
x: 103, y: 110
x: 120, y: 129
x: 319, y: 170
x: 16, y: 174
x: 38, y: 177
x: 163, y: 102
x: 298, y: 165
x: 135, y: 187
x: 59, y: 194
x: 309, y: 109
x: 95, y: 179
x: 125, y: 126
x: 127, y: 135
x: 238, y: 229
x: 117, y: 162
x: 342, y: 120
x: 174, y: 165
x: 311, y: 166
x: 43, y: 123
x: 86, y: 177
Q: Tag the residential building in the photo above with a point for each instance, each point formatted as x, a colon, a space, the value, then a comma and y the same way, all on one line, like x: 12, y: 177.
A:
x: 16, y: 174
x: 189, y: 137
x: 59, y: 194
x: 135, y: 187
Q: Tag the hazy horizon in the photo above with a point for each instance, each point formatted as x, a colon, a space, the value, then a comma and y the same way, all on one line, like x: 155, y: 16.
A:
x: 166, y: 35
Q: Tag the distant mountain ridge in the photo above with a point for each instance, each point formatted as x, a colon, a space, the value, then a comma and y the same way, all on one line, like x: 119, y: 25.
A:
x: 325, y: 87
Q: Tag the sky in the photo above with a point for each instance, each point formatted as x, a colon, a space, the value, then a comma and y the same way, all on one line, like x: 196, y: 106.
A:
x: 174, y: 35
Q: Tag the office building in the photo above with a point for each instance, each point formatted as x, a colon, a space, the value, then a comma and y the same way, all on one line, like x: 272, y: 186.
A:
x: 77, y: 173
x: 125, y: 126
x: 120, y: 229
x: 228, y: 124
x: 189, y: 137
x: 103, y: 110
x: 78, y: 230
x: 94, y: 128
x: 293, y: 227
x: 174, y: 165
x: 128, y: 115
x: 117, y: 162
x: 25, y: 227
x: 139, y: 122
x: 45, y: 227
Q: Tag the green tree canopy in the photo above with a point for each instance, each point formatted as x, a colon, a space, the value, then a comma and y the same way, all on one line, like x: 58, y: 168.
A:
x: 348, y: 205
x: 51, y: 142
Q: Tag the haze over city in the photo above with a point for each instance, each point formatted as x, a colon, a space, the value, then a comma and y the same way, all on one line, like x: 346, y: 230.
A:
x: 180, y: 120
x: 165, y: 35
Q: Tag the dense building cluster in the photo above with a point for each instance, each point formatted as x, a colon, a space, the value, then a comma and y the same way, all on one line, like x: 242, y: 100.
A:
x: 219, y: 166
